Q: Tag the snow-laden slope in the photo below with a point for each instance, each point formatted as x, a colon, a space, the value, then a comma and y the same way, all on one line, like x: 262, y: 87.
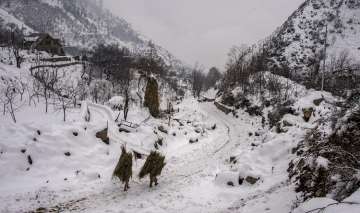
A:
x: 300, y: 41
x: 7, y: 18
x: 78, y: 23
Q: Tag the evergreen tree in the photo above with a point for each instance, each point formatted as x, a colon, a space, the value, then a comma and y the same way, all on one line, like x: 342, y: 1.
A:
x: 152, y: 97
x: 123, y: 169
x: 153, y: 166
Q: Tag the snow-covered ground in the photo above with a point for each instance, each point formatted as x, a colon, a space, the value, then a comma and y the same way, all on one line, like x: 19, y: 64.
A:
x: 62, y: 166
x: 195, y: 178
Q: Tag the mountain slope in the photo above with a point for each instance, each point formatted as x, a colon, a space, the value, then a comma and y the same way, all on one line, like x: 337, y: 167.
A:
x: 78, y: 23
x: 299, y: 42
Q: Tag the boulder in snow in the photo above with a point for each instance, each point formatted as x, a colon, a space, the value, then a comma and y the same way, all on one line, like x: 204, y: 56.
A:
x: 228, y: 179
x: 193, y: 140
x: 251, y: 180
x: 198, y: 130
x: 103, y: 135
x: 317, y: 102
x: 163, y: 129
x: 30, y: 161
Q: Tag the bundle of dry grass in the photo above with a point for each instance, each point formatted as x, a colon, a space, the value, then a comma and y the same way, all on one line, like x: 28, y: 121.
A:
x: 123, y: 169
x: 153, y: 166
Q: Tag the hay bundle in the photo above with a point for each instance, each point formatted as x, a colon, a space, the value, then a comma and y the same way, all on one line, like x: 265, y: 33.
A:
x: 123, y: 169
x: 152, y: 100
x: 153, y: 166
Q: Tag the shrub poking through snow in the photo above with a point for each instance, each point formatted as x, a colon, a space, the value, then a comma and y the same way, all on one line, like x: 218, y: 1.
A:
x: 327, y: 162
x: 123, y: 169
x: 152, y: 97
x: 153, y: 166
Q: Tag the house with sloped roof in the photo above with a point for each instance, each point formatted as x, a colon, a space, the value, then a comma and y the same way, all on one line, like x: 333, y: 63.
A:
x: 43, y: 42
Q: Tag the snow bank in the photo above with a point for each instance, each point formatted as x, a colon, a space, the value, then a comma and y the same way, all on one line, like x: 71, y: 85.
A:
x: 327, y: 205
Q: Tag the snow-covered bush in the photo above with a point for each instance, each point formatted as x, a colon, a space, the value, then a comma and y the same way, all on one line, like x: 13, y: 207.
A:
x: 327, y: 162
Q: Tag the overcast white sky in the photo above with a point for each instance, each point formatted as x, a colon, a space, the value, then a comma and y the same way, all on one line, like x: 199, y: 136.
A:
x: 203, y: 30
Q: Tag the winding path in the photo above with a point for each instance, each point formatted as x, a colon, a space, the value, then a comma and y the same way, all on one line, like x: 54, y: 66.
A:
x: 184, y: 171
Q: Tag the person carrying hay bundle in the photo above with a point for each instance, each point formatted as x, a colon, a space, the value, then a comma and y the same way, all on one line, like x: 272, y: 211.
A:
x: 123, y: 169
x: 153, y: 166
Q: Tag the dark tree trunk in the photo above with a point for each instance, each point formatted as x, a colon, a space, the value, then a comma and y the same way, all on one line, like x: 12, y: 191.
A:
x: 12, y: 111
x: 126, y: 106
x: 64, y: 113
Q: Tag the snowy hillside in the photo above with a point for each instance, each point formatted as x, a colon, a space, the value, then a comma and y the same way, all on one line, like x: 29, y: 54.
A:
x: 300, y: 41
x: 79, y: 23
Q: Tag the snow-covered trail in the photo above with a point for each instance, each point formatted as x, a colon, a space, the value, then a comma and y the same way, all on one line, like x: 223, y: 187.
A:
x: 187, y: 183
x: 188, y: 180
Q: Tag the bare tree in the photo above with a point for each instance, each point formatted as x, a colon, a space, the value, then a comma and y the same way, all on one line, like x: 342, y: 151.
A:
x: 22, y: 88
x: 125, y: 82
x: 198, y: 80
x: 16, y: 42
x: 340, y: 63
x: 238, y: 71
x: 35, y: 91
x: 9, y: 97
x: 64, y: 99
x: 342, y: 73
x: 47, y: 79
x: 100, y: 90
x: 126, y: 93
x: 212, y: 77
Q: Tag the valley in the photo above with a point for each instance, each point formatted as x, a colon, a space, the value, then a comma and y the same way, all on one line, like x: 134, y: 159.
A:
x: 96, y: 117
